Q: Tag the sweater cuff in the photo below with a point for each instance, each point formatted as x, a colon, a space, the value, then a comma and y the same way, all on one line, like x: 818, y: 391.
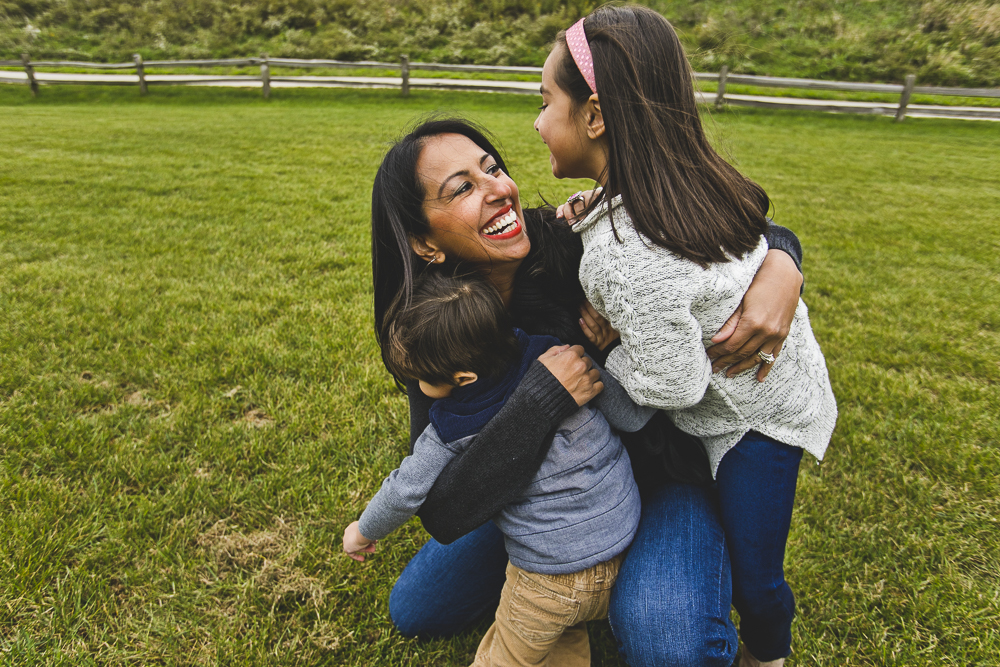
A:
x: 382, y: 516
x: 547, y: 393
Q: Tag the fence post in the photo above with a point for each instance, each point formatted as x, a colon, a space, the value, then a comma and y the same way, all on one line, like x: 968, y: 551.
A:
x: 30, y: 71
x: 265, y: 76
x: 141, y: 71
x: 404, y: 73
x: 720, y: 92
x: 904, y: 99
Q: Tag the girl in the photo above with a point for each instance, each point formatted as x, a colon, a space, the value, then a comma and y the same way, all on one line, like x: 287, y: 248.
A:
x: 671, y: 244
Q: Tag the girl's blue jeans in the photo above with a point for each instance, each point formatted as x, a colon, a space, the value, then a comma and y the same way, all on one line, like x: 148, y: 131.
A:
x: 756, y: 485
x: 671, y: 603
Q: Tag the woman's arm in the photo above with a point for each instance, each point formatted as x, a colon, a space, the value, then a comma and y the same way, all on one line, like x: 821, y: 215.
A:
x: 785, y: 240
x: 764, y: 317
x: 502, y: 459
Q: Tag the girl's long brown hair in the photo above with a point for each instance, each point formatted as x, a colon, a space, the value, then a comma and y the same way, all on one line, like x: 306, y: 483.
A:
x: 680, y: 194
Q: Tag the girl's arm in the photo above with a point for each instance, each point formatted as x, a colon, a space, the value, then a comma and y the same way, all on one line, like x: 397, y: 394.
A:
x: 763, y: 318
x: 661, y: 361
x: 649, y: 297
x: 778, y: 237
x: 501, y: 460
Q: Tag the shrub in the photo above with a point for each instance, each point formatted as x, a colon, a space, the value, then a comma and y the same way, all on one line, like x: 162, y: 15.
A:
x: 946, y: 42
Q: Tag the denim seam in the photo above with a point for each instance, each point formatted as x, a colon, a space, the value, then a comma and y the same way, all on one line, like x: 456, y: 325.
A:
x: 719, y: 583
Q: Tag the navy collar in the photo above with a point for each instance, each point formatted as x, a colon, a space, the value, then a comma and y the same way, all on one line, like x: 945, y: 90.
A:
x: 471, y: 407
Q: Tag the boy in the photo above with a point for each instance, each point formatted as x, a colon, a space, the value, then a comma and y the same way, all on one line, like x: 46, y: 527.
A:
x: 566, y: 535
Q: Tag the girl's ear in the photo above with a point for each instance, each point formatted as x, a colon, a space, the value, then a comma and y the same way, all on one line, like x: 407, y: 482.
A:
x: 425, y: 250
x: 595, y: 120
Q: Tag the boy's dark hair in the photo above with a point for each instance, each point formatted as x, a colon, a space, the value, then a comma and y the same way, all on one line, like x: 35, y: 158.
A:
x: 452, y: 324
x: 680, y: 194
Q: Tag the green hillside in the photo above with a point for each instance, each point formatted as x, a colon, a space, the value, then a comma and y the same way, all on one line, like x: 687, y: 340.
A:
x: 943, y: 42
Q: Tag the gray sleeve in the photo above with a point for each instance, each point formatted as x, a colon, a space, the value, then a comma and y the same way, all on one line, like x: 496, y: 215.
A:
x: 406, y: 487
x: 618, y: 408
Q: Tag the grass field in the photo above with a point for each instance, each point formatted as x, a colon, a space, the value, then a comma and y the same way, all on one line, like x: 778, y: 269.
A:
x: 191, y: 406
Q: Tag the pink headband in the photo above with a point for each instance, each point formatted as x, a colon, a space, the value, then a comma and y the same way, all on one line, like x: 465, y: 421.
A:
x: 576, y: 40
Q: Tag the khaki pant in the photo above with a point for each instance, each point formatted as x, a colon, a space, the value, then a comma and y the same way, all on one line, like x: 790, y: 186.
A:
x: 542, y: 618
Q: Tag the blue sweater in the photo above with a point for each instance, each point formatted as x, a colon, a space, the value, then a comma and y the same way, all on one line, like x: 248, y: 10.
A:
x: 582, y: 506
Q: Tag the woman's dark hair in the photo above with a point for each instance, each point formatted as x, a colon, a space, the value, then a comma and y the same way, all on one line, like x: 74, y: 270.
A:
x: 398, y: 214
x: 452, y: 324
x: 680, y: 194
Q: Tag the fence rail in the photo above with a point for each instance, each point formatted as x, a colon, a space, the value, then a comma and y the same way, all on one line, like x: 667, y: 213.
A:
x: 405, y: 82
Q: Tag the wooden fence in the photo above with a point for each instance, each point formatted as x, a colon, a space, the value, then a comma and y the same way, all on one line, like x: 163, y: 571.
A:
x: 406, y: 83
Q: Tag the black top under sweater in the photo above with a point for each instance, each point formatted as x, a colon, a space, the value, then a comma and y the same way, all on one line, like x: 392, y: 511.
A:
x: 507, y: 452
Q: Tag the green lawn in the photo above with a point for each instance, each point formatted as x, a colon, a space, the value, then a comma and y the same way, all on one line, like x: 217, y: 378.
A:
x: 191, y: 406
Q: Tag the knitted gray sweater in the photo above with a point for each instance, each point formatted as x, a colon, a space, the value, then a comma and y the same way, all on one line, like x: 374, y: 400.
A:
x: 666, y: 309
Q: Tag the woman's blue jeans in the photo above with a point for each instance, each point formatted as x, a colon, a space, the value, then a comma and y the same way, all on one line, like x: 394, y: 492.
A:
x: 671, y: 602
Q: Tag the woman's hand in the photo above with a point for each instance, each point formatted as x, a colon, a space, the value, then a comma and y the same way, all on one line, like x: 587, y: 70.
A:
x: 762, y: 321
x: 575, y: 372
x: 597, y: 329
x: 576, y: 205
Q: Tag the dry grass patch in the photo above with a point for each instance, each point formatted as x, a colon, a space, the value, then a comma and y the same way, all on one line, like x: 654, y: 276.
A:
x: 267, y: 557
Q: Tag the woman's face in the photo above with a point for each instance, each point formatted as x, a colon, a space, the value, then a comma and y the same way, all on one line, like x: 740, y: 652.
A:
x: 472, y: 206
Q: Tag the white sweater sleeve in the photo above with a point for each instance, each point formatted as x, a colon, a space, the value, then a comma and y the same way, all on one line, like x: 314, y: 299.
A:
x: 648, y: 297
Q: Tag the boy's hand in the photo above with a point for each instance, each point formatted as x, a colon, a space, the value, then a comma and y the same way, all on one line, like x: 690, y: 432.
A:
x: 356, y: 544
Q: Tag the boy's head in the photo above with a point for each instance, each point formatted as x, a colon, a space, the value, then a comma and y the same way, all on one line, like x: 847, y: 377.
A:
x: 454, y: 331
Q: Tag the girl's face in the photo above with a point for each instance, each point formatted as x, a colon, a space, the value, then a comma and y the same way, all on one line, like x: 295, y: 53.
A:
x: 561, y: 127
x: 471, y: 205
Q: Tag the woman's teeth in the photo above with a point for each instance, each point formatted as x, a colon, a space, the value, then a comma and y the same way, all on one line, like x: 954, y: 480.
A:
x: 504, y: 224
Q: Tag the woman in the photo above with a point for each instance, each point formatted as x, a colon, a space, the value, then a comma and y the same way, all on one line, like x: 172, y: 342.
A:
x: 441, y: 199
